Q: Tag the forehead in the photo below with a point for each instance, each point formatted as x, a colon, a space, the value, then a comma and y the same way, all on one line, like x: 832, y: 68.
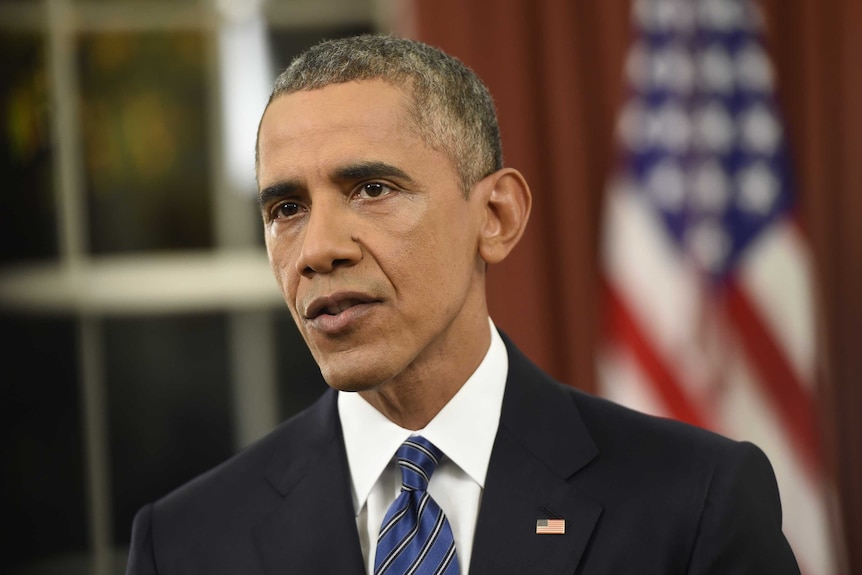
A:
x: 371, y: 104
x: 338, y: 124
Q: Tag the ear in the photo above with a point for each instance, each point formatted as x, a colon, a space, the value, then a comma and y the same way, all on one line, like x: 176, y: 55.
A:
x: 507, y: 201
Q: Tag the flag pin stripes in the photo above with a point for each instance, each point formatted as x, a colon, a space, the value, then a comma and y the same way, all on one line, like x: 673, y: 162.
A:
x: 550, y: 526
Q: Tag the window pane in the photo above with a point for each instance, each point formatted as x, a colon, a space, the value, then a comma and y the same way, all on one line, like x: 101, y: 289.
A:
x: 168, y: 404
x: 27, y: 210
x: 42, y: 499
x: 146, y: 141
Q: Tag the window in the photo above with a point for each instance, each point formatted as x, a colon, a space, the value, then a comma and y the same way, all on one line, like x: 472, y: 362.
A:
x: 144, y: 336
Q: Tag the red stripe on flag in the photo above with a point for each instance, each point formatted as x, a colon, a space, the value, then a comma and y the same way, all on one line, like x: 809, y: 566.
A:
x: 623, y: 327
x: 779, y: 381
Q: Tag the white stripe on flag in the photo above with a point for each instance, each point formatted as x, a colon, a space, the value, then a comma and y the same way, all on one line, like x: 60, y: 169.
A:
x: 777, y: 274
x: 708, y: 281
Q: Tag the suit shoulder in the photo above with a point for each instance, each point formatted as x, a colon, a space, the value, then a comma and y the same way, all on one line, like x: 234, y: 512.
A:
x: 611, y: 421
x: 237, y: 486
x: 664, y: 448
x: 708, y: 497
x: 211, y: 524
x: 619, y: 435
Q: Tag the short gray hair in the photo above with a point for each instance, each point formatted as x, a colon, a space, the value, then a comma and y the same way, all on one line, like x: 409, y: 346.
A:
x: 450, y: 106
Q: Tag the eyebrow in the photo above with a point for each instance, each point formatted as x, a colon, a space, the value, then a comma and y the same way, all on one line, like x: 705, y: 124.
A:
x: 277, y: 190
x: 349, y: 173
x: 370, y: 170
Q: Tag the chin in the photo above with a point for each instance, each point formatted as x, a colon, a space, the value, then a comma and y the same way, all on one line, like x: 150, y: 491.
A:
x: 353, y: 377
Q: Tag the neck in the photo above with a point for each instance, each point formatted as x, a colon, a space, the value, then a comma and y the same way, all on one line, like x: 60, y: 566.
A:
x: 413, y: 398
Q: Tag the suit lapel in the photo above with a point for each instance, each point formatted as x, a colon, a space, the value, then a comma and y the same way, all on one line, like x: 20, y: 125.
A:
x: 313, y: 528
x: 540, y: 444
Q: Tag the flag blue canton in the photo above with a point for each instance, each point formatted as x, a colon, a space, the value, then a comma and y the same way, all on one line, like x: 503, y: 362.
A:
x: 701, y: 135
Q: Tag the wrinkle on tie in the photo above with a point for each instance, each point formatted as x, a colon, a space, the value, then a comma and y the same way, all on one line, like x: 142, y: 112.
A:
x: 415, y: 537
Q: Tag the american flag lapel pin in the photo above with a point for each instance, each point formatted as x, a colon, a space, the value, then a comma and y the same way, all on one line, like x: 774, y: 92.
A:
x: 550, y: 526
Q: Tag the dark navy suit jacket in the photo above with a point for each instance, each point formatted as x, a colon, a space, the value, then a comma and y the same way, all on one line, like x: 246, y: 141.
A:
x: 639, y: 495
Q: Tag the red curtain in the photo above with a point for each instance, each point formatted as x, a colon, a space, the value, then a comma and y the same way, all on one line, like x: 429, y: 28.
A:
x: 555, y: 70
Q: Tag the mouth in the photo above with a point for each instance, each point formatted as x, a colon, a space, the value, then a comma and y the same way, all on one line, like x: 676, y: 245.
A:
x: 335, y: 304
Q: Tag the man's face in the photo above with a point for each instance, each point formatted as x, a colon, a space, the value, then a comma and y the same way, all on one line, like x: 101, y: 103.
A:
x: 370, y: 237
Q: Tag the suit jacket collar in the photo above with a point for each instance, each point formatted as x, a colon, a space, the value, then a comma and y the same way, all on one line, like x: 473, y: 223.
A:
x: 541, y: 443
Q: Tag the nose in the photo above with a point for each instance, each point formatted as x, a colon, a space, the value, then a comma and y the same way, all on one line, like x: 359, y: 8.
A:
x: 328, y: 241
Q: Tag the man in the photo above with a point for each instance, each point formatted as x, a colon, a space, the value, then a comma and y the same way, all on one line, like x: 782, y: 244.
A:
x: 384, y: 199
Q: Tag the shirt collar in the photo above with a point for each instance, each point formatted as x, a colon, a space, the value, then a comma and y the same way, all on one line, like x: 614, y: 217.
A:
x: 371, y: 439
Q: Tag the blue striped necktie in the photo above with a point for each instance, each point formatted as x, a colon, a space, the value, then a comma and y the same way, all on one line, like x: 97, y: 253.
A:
x: 415, y: 537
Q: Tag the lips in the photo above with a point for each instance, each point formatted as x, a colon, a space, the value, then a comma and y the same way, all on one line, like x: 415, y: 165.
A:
x: 338, y: 314
x: 336, y: 304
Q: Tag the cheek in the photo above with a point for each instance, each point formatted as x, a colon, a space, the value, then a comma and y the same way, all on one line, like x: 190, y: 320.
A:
x: 439, y: 259
x: 282, y: 260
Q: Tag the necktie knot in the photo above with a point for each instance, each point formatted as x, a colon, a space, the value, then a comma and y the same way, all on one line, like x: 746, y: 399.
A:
x: 418, y: 458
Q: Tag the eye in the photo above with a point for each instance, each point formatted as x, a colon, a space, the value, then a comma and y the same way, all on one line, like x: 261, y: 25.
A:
x: 373, y: 190
x: 284, y: 210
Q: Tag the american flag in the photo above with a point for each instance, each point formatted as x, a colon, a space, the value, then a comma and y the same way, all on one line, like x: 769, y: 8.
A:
x: 551, y: 526
x: 706, y: 276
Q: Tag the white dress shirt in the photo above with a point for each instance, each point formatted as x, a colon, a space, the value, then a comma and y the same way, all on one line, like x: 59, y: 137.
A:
x: 464, y: 430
